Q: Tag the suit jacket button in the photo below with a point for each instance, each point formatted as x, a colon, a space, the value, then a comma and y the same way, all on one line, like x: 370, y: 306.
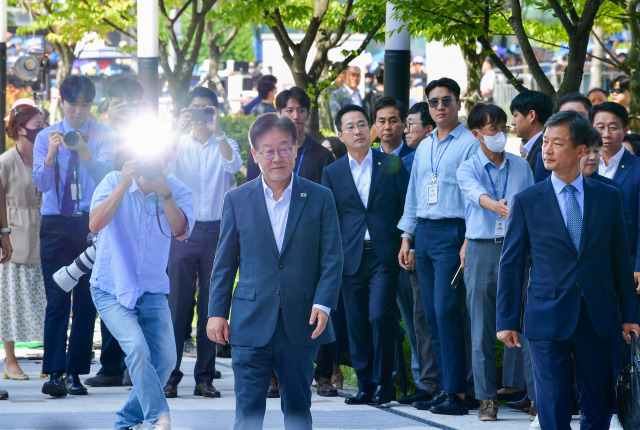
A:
x: 278, y: 292
x: 280, y: 266
x: 578, y: 284
x: 579, y: 260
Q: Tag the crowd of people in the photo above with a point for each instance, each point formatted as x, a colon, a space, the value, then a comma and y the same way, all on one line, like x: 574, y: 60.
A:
x: 315, y: 261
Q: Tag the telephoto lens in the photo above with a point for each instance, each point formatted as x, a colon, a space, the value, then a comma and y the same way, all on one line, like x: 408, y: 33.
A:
x: 71, y: 138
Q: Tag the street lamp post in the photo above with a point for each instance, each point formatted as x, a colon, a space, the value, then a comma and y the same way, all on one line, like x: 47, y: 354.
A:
x: 3, y: 69
x: 397, y: 58
x: 148, y: 50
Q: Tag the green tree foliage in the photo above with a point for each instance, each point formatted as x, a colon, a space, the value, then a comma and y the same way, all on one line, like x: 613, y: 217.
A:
x: 327, y: 23
x: 464, y: 22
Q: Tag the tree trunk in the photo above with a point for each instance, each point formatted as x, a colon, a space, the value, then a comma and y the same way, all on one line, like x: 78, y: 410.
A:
x: 634, y: 60
x: 575, y: 67
x: 474, y: 61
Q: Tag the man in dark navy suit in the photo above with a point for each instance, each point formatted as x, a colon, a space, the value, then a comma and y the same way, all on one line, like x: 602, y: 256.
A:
x: 389, y: 116
x: 581, y: 279
x: 530, y: 110
x: 280, y: 236
x: 369, y: 189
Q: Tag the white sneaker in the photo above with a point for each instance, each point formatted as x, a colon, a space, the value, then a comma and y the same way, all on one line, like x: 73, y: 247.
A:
x: 615, y: 423
x: 535, y: 425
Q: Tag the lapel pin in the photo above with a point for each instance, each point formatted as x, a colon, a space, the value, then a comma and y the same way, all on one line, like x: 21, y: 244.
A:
x: 303, y: 194
x: 379, y: 163
x: 622, y: 167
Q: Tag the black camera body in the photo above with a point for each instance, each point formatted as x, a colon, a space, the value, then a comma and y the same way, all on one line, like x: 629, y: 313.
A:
x: 71, y: 138
x: 151, y: 169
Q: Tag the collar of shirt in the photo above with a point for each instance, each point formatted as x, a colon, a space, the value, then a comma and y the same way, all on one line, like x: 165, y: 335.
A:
x: 456, y: 132
x: 268, y: 193
x: 485, y: 160
x: 559, y: 184
x: 395, y: 151
x: 83, y: 129
x: 531, y: 141
x: 367, y: 160
x: 613, y: 163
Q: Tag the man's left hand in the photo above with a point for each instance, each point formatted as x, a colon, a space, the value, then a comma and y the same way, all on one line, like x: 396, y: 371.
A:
x: 322, y: 318
x: 7, y: 249
x: 636, y: 277
x: 627, y: 328
x: 159, y: 185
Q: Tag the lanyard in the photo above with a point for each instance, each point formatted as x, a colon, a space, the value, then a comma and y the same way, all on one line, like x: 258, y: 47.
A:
x: 300, y: 163
x: 506, y: 180
x: 434, y: 174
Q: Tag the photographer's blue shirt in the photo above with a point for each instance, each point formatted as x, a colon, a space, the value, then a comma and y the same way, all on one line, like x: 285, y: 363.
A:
x: 101, y: 144
x: 132, y: 253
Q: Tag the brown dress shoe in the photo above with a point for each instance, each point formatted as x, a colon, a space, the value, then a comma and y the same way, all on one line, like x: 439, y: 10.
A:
x: 170, y: 390
x: 274, y: 391
x: 488, y: 410
x: 205, y: 389
x: 337, y: 378
x: 325, y: 389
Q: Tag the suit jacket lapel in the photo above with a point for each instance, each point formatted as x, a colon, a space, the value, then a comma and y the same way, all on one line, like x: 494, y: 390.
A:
x: 262, y: 215
x: 348, y: 179
x: 298, y: 200
x: 378, y: 165
x: 590, y: 212
x: 624, y: 167
x: 549, y: 200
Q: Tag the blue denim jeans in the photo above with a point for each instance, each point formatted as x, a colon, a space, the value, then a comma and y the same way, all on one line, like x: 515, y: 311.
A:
x: 145, y: 334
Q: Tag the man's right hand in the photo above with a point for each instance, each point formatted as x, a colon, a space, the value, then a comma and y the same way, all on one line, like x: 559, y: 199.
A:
x: 509, y: 337
x: 184, y: 122
x: 502, y: 209
x: 130, y: 171
x: 55, y: 142
x: 405, y: 257
x: 218, y: 330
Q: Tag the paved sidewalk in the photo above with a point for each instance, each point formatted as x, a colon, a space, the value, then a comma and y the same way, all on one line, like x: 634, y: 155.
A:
x: 28, y: 408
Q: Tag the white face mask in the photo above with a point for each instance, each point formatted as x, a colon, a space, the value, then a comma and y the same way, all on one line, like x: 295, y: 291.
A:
x: 495, y: 143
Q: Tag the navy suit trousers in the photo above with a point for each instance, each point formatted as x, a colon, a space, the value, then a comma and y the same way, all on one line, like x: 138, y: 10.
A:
x: 438, y: 244
x: 293, y: 366
x: 592, y: 360
x: 370, y: 302
x: 62, y: 239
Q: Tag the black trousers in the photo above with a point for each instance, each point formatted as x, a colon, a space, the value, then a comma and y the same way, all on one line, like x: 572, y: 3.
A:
x: 190, y: 260
x: 62, y: 239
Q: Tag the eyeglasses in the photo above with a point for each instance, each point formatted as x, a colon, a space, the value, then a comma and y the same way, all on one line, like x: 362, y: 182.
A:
x: 282, y: 152
x: 446, y: 102
x: 617, y: 90
x: 407, y: 125
x: 351, y: 128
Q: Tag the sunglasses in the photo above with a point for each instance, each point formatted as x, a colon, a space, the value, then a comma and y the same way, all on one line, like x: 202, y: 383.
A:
x: 446, y: 102
x: 617, y: 90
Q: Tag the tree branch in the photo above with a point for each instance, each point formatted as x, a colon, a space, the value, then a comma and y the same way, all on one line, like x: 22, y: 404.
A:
x: 180, y: 12
x: 319, y: 10
x: 342, y: 25
x: 365, y: 42
x: 285, y: 42
x: 486, y: 45
x: 572, y: 12
x: 173, y: 39
x: 613, y: 60
x: 230, y: 37
x: 282, y: 30
x: 562, y: 16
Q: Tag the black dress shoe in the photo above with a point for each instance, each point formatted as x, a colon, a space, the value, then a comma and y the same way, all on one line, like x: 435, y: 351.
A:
x: 383, y: 394
x: 417, y: 396
x: 217, y: 374
x: 55, y: 386
x: 521, y: 405
x: 74, y: 385
x: 471, y: 402
x: 453, y: 405
x: 104, y: 380
x: 205, y: 389
x: 274, y: 391
x: 170, y: 390
x: 426, y: 404
x: 362, y: 398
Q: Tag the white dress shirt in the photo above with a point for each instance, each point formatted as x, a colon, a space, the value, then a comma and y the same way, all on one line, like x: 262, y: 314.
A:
x: 206, y: 173
x: 610, y: 170
x: 355, y: 95
x: 278, y: 215
x: 529, y: 145
x: 361, y: 173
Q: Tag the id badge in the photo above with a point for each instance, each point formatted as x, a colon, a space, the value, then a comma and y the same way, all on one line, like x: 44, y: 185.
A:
x: 501, y: 226
x: 432, y: 193
x: 76, y: 192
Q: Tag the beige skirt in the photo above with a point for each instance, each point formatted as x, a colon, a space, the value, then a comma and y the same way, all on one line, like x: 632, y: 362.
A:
x: 22, y: 302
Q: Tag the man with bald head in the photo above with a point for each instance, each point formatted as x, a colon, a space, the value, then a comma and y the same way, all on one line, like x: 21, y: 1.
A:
x: 348, y: 93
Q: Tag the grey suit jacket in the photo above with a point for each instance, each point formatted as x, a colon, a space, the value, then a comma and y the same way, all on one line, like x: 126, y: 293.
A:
x: 305, y: 272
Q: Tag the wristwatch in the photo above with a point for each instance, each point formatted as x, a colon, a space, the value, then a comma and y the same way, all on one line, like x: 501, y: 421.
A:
x: 5, y: 230
x: 163, y: 199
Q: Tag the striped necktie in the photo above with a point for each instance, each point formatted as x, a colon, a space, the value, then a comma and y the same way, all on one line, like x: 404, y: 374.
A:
x: 69, y: 204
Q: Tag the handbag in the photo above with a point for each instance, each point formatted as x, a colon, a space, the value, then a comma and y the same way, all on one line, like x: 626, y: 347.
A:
x: 628, y: 389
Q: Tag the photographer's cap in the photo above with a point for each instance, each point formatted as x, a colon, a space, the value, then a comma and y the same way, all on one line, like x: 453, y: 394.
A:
x: 19, y: 102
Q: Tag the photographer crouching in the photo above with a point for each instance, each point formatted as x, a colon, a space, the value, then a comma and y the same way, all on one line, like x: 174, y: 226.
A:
x: 133, y: 212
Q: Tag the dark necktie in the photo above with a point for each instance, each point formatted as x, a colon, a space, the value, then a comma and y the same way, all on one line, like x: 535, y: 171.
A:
x: 69, y: 204
x: 574, y: 216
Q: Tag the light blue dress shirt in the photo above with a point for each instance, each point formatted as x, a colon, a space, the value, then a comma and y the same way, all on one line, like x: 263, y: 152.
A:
x: 474, y: 182
x: 132, y: 253
x: 462, y: 144
x: 562, y: 195
x: 102, y: 144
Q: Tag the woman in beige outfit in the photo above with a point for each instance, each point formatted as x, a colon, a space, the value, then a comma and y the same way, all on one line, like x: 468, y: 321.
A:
x: 22, y: 297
